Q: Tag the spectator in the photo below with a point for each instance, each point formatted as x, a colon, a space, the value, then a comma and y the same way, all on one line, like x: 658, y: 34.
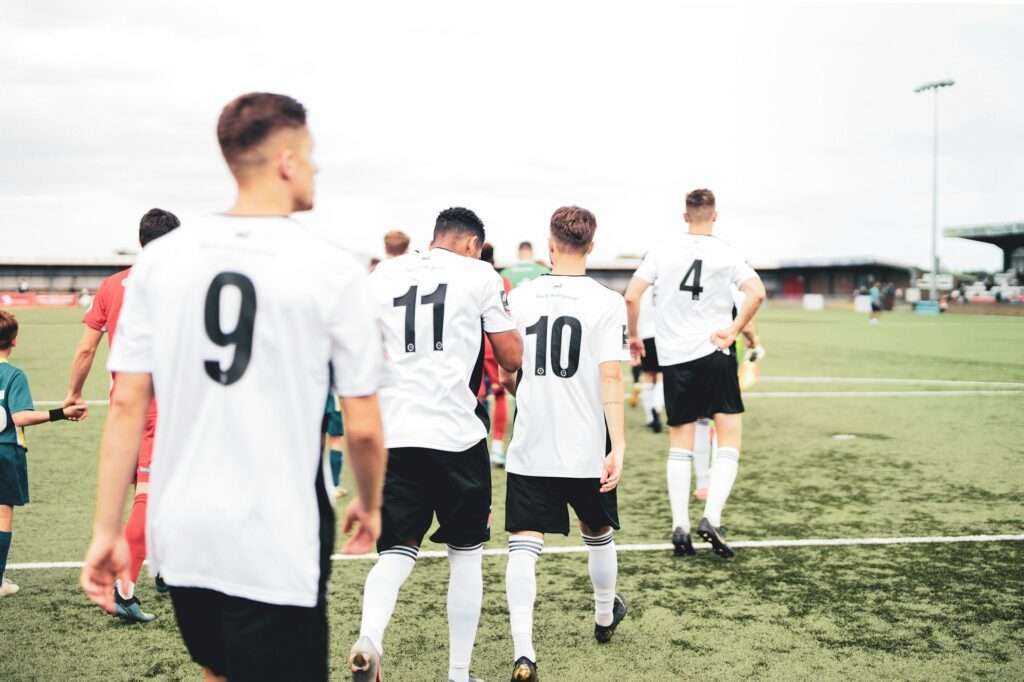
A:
x: 526, y: 269
x: 396, y: 243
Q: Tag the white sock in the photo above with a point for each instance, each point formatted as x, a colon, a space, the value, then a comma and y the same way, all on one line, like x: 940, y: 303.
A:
x: 702, y: 452
x: 678, y: 473
x: 465, y: 597
x: 126, y: 592
x: 521, y: 590
x: 647, y: 400
x: 498, y: 447
x: 723, y: 475
x: 381, y: 591
x: 604, y: 569
x: 659, y: 396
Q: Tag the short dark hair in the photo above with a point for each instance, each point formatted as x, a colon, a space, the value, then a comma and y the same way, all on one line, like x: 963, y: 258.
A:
x: 525, y: 245
x: 487, y: 253
x: 573, y: 227
x: 459, y: 220
x: 156, y: 223
x: 8, y: 329
x: 248, y: 119
x: 700, y: 198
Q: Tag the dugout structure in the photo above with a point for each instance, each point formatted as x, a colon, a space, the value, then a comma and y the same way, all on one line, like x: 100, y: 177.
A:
x: 1007, y: 236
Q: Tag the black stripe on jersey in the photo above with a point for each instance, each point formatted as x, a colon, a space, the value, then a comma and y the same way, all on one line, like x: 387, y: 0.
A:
x: 323, y: 503
x: 476, y: 377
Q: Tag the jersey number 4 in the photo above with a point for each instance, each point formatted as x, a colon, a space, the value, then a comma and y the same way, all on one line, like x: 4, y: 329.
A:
x: 241, y: 336
x: 408, y: 301
x: 540, y: 328
x: 695, y: 289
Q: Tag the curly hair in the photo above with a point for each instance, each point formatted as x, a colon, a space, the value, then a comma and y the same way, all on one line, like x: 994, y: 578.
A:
x: 459, y: 220
x: 573, y: 227
x: 156, y: 223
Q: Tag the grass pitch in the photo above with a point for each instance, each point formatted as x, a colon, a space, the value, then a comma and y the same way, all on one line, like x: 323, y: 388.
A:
x: 924, y: 465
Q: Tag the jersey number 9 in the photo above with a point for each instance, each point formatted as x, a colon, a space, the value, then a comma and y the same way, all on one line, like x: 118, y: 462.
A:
x: 241, y: 336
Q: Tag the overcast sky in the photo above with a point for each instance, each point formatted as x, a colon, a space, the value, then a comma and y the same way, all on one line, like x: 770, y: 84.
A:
x: 801, y: 118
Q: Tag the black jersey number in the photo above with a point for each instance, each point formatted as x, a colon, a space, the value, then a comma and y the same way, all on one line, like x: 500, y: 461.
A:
x: 540, y: 328
x: 241, y: 336
x: 695, y: 289
x: 435, y: 299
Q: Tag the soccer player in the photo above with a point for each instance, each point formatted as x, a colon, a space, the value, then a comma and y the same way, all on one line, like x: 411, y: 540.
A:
x: 334, y: 431
x: 396, y: 243
x: 228, y: 320
x: 652, y: 393
x: 436, y: 307
x: 692, y: 277
x: 875, y: 295
x: 526, y: 269
x: 17, y: 412
x: 569, y: 442
x: 102, y: 317
x: 492, y: 382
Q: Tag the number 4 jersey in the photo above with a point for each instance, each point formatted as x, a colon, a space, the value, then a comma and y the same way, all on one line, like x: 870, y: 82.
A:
x: 570, y: 325
x: 435, y: 307
x: 240, y: 321
x: 693, y: 278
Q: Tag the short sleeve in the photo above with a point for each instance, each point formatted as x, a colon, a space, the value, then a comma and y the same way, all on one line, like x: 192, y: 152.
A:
x: 496, y: 314
x: 741, y: 272
x: 648, y: 270
x: 19, y: 397
x: 357, y: 346
x: 614, y: 341
x: 97, y: 315
x: 133, y: 349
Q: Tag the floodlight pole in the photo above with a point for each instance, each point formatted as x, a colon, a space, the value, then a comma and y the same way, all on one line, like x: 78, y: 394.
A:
x: 935, y: 86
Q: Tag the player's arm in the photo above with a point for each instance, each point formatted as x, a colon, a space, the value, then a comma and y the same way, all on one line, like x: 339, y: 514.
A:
x: 73, y: 412
x: 81, y: 364
x: 108, y: 555
x: 367, y: 456
x: 754, y: 295
x: 509, y: 380
x: 635, y: 290
x: 614, y: 415
x: 508, y: 349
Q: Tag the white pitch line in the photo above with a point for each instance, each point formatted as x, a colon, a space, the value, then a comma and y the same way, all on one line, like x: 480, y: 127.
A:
x: 869, y: 380
x: 873, y: 394
x: 58, y: 403
x: 578, y: 549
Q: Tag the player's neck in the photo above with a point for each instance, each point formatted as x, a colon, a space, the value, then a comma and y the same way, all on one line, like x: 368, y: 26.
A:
x: 701, y: 228
x: 4, y: 354
x: 262, y: 201
x: 568, y: 264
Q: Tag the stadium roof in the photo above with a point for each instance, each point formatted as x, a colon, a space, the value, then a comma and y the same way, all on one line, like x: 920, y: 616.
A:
x: 991, y: 231
x: 119, y: 260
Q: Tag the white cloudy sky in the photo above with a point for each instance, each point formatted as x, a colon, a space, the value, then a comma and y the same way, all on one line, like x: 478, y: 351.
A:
x: 800, y: 116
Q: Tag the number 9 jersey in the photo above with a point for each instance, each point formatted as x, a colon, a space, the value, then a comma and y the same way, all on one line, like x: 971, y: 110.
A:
x: 693, y: 277
x: 241, y: 321
x: 570, y: 325
x: 434, y: 308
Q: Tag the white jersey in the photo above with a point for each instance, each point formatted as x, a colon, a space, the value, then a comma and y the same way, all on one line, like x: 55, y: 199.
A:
x: 647, y: 323
x: 435, y: 308
x: 693, y: 279
x: 241, y: 321
x: 570, y: 325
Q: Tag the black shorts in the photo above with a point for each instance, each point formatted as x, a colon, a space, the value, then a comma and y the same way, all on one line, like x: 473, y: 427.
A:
x: 876, y: 307
x: 454, y: 485
x: 13, y: 475
x: 649, y: 362
x: 702, y: 388
x: 247, y: 640
x: 538, y: 503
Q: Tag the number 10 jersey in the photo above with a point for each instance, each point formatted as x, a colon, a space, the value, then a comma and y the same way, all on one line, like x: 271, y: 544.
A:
x: 570, y: 325
x: 435, y: 307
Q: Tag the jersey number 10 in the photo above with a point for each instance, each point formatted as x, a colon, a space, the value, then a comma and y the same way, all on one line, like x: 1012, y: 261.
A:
x: 540, y: 328
x: 241, y: 336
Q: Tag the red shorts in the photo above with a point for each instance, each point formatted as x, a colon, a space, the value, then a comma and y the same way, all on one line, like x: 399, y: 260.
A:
x: 146, y: 449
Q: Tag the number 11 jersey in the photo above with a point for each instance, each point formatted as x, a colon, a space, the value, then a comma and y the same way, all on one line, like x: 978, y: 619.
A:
x: 570, y: 325
x: 693, y: 277
x: 435, y: 307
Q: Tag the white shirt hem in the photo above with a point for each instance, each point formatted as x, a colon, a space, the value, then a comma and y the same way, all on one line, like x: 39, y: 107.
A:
x: 266, y: 596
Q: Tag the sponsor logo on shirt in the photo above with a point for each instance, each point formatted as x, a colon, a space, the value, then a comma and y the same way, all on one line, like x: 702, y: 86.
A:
x: 504, y: 302
x: 625, y: 338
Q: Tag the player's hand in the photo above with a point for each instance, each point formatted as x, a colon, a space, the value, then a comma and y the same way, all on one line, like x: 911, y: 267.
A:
x: 108, y: 559
x: 756, y: 353
x: 75, y: 399
x: 76, y: 412
x: 612, y: 471
x: 723, y: 338
x: 367, y: 528
x: 636, y: 350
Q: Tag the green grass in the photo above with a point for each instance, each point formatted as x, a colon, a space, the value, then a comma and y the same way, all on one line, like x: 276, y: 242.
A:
x: 921, y: 466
